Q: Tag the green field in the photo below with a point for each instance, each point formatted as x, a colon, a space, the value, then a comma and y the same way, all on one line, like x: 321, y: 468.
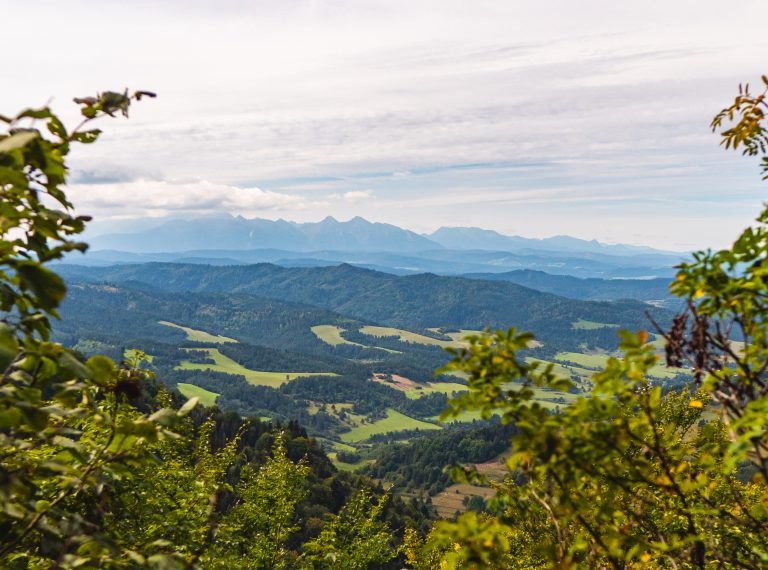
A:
x: 566, y: 370
x: 331, y: 334
x: 227, y: 365
x: 198, y: 335
x: 404, y: 336
x: 191, y: 391
x: 342, y: 466
x: 458, y: 337
x: 545, y: 398
x: 408, y: 336
x: 442, y: 387
x: 591, y: 361
x: 395, y: 421
x: 585, y: 325
x: 597, y: 362
x: 464, y: 417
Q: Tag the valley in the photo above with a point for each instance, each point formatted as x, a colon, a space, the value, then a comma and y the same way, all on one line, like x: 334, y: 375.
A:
x: 350, y: 353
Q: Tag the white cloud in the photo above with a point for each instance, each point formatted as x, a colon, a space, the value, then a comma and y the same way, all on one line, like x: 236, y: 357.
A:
x: 358, y: 195
x: 423, y: 103
x: 162, y: 197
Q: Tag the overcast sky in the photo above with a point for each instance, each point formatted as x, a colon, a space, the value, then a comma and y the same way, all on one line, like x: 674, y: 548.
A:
x: 536, y: 118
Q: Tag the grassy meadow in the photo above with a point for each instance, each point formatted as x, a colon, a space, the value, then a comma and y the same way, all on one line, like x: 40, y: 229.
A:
x: 408, y: 336
x: 225, y: 364
x: 207, y: 398
x: 394, y: 421
x: 331, y: 334
x: 198, y: 335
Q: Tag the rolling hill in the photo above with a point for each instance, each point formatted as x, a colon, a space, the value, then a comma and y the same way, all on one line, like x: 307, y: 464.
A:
x: 412, y: 302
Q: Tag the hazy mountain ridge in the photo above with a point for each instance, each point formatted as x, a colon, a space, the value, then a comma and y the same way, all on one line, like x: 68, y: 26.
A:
x: 238, y: 233
x: 592, y: 289
x: 357, y: 234
x: 479, y: 238
x: 227, y: 240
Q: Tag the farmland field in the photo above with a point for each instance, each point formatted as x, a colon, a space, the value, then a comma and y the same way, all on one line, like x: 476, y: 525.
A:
x: 583, y: 324
x: 451, y: 499
x: 592, y: 361
x: 225, y: 364
x: 394, y: 421
x: 442, y: 387
x: 331, y: 334
x: 408, y: 336
x: 404, y: 336
x: 597, y: 361
x: 565, y: 370
x: 198, y: 335
x: 207, y: 398
x: 458, y: 337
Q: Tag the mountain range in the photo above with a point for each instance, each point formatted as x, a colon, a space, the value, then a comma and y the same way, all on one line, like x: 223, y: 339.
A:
x: 357, y: 234
x: 234, y: 240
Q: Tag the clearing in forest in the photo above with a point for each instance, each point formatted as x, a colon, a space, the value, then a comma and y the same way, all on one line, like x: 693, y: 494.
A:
x: 430, y: 388
x: 408, y: 336
x: 452, y: 499
x: 331, y: 334
x: 394, y: 421
x: 414, y: 390
x: 222, y: 363
x: 598, y: 361
x: 198, y: 335
x: 207, y: 398
x: 585, y: 325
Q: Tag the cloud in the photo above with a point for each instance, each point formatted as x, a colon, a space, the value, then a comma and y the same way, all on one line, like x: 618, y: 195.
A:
x: 477, y: 113
x: 161, y: 197
x: 358, y: 195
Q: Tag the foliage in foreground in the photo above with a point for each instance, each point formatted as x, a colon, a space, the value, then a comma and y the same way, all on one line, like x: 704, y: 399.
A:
x: 629, y: 477
x: 92, y: 473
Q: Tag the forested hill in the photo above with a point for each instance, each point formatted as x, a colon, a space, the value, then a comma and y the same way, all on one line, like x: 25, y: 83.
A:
x: 590, y: 289
x: 135, y: 314
x: 415, y: 301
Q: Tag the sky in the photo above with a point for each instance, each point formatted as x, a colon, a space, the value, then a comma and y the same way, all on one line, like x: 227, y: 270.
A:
x: 532, y: 118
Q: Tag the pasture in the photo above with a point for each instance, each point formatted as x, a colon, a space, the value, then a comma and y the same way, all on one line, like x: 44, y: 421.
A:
x: 450, y: 500
x: 394, y: 421
x: 583, y: 324
x: 442, y: 387
x: 457, y: 338
x: 198, y: 335
x: 225, y: 364
x: 598, y: 361
x: 331, y: 334
x: 207, y: 398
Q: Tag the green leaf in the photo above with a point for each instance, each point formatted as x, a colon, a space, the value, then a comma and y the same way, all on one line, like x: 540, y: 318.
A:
x: 188, y: 406
x: 71, y: 365
x: 9, y: 346
x: 10, y: 417
x: 102, y: 369
x: 17, y: 140
x: 46, y: 285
